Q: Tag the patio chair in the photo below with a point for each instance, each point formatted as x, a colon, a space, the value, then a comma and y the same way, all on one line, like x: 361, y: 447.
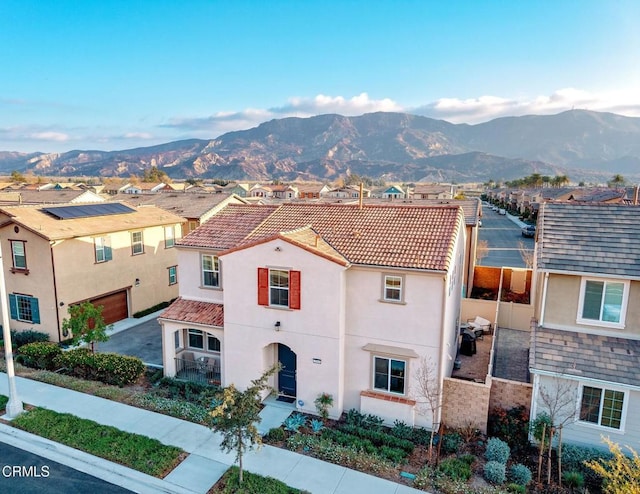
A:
x: 479, y: 326
x: 189, y: 361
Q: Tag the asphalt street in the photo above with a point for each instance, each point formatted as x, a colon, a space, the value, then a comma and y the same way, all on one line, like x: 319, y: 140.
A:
x: 504, y: 239
x: 25, y: 473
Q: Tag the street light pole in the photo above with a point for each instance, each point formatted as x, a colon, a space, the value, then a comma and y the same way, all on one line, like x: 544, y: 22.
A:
x: 14, y: 405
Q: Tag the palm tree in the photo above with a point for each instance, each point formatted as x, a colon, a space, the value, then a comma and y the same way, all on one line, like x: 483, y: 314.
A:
x: 617, y: 181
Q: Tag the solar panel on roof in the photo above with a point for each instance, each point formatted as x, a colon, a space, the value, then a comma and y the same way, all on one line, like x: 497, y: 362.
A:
x: 87, y: 210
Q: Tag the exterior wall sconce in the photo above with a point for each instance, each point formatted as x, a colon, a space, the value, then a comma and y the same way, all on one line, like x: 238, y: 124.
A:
x: 278, y: 249
x: 137, y: 282
x: 277, y: 325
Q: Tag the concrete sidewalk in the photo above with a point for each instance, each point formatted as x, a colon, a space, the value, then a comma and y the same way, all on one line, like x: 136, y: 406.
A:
x: 206, y: 462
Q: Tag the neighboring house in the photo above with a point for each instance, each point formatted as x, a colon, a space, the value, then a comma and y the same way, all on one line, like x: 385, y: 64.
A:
x: 394, y: 192
x: 147, y: 188
x: 194, y: 208
x: 262, y: 191
x: 115, y: 188
x: 312, y: 191
x: 240, y: 189
x: 51, y: 196
x: 432, y: 191
x: 284, y: 191
x: 586, y: 342
x: 347, y: 192
x: 111, y: 254
x: 349, y: 299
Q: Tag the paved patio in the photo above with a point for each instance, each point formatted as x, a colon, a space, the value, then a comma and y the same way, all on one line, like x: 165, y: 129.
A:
x: 511, y: 359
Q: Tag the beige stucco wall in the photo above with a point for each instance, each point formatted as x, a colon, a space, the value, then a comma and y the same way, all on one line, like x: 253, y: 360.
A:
x: 38, y: 283
x: 562, y: 300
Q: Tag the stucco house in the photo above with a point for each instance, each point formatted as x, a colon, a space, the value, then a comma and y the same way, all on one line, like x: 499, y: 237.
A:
x: 349, y: 299
x: 114, y: 255
x: 585, y: 346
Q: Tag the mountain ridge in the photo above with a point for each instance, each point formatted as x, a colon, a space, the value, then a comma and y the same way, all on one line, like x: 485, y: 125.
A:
x: 390, y: 145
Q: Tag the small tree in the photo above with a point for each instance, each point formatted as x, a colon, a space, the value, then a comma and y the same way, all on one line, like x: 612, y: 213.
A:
x: 525, y: 254
x: 621, y: 473
x: 235, y: 414
x: 482, y: 250
x: 85, y: 324
x: 428, y: 389
x: 323, y: 402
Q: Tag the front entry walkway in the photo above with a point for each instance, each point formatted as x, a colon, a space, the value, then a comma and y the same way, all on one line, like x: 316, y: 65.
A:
x: 273, y: 414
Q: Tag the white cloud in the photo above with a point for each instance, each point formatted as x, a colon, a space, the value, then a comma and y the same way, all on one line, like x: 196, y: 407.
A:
x: 49, y: 136
x: 138, y: 135
x: 483, y: 108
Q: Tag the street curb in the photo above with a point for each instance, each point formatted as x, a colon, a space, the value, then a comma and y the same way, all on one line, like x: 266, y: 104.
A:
x: 92, y: 465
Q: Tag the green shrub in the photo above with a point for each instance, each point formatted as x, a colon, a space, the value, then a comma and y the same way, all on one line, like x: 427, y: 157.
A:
x: 468, y: 458
x: 294, y: 421
x: 494, y: 472
x: 252, y: 482
x: 421, y: 436
x: 455, y: 469
x: 109, y: 368
x: 39, y: 355
x: 378, y: 438
x: 574, y: 458
x: 21, y: 338
x: 135, y: 451
x: 516, y: 488
x: 520, y: 474
x: 497, y: 450
x: 3, y: 401
x: 451, y: 442
x: 573, y: 479
x: 176, y: 408
x: 402, y: 430
x: 540, y: 423
x: 367, y: 421
x: 276, y: 434
x: 190, y: 391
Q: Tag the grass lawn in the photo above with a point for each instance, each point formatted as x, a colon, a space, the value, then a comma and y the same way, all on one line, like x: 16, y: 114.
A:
x: 251, y: 484
x: 141, y: 453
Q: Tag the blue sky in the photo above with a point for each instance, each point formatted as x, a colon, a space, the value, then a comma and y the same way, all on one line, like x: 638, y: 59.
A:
x: 115, y: 74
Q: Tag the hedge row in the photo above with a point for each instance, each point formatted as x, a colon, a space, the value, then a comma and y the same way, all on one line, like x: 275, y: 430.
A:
x: 108, y: 368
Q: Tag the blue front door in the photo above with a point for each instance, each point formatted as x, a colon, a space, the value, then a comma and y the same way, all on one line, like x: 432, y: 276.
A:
x: 287, y: 375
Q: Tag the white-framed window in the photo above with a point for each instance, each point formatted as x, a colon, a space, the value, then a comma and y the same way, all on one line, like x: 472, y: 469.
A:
x: 137, y: 243
x: 196, y: 339
x: 603, y: 302
x: 102, y: 249
x: 24, y: 308
x: 19, y: 255
x: 278, y: 288
x: 210, y: 271
x: 603, y: 407
x: 393, y: 288
x: 389, y: 374
x: 173, y: 274
x: 169, y: 236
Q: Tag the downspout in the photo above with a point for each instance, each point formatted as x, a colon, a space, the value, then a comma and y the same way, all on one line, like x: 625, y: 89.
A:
x: 544, y: 298
x: 55, y: 289
x: 440, y: 357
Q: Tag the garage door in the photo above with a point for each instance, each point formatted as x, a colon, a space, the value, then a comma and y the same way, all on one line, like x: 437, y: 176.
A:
x: 115, y: 306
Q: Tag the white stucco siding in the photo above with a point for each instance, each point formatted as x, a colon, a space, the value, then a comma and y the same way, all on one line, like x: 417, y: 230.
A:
x: 190, y: 277
x: 315, y: 331
x: 582, y: 433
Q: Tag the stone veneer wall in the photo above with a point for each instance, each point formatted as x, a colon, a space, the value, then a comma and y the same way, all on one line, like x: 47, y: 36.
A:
x: 465, y: 403
x: 509, y: 394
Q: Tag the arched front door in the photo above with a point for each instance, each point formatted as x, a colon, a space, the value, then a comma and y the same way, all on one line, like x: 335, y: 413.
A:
x: 287, y: 375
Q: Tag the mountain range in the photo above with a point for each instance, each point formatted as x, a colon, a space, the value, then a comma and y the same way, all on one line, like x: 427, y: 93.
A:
x: 583, y: 145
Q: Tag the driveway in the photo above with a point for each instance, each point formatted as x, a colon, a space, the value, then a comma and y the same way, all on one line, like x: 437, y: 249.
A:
x: 143, y: 340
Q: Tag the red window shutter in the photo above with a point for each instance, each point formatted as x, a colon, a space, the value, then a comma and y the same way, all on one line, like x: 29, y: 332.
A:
x: 263, y: 286
x: 294, y: 289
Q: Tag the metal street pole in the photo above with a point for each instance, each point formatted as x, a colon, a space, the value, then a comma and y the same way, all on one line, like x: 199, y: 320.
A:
x: 14, y: 405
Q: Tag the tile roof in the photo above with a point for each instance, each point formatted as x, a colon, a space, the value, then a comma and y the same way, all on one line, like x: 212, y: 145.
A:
x: 408, y: 236
x: 589, y: 238
x: 183, y: 203
x: 195, y: 312
x: 604, y: 358
x: 472, y: 207
x: 47, y: 226
x: 228, y: 227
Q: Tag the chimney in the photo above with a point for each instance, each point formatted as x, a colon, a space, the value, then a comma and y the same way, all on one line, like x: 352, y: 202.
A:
x: 360, y: 198
x: 635, y: 195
